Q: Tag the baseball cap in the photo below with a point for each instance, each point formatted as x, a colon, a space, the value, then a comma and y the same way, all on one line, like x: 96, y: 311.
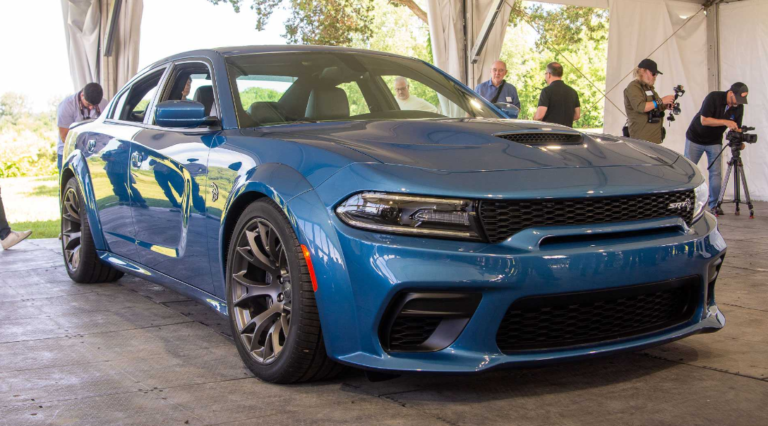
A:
x: 740, y: 91
x: 650, y: 66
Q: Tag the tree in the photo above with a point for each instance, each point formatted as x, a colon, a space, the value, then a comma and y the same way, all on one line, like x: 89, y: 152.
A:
x: 319, y: 22
x: 574, y: 36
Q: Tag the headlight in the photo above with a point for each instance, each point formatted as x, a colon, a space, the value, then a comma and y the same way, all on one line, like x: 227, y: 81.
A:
x: 411, y: 215
x: 702, y: 196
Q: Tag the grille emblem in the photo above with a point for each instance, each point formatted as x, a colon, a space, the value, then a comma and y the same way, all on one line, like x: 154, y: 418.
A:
x: 682, y: 205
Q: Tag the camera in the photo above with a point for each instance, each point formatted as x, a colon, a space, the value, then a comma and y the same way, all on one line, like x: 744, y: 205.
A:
x: 655, y: 115
x: 675, y: 109
x: 737, y: 138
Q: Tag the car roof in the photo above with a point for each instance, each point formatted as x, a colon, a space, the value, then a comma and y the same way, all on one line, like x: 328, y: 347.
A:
x: 245, y: 50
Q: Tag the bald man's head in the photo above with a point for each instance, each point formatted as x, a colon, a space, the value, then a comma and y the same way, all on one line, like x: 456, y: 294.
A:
x: 498, y: 71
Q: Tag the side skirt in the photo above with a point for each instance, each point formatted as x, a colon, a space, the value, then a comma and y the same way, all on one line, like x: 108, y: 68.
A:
x: 132, y: 268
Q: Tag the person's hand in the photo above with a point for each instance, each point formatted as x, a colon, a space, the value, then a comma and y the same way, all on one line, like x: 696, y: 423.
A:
x: 743, y: 145
x: 667, y: 100
x: 731, y: 125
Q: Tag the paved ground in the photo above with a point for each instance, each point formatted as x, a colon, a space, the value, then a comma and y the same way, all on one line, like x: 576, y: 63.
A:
x: 136, y: 353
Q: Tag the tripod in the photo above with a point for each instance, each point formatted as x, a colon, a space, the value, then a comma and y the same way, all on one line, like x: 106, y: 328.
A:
x: 739, y: 178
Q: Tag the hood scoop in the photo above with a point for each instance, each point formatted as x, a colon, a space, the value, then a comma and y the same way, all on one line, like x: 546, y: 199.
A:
x: 538, y: 138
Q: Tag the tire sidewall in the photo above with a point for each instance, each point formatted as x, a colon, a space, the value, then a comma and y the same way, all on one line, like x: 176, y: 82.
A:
x: 264, y: 209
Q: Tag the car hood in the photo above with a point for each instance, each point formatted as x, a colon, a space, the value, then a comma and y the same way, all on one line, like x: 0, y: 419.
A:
x: 466, y: 145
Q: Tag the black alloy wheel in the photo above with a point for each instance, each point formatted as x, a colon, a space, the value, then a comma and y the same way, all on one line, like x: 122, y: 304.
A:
x: 270, y: 300
x: 80, y: 257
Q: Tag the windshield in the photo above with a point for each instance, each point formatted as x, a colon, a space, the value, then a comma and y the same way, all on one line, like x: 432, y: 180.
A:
x: 282, y: 88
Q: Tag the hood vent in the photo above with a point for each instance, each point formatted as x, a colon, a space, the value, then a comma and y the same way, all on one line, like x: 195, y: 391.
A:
x: 542, y: 138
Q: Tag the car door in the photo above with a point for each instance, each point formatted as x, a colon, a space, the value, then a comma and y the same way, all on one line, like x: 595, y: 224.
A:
x: 170, y: 167
x: 107, y: 151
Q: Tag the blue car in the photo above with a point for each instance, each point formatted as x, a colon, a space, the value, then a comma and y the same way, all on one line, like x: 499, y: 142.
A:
x: 338, y: 221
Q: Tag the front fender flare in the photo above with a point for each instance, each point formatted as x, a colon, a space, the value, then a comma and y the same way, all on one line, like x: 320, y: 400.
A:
x: 77, y: 164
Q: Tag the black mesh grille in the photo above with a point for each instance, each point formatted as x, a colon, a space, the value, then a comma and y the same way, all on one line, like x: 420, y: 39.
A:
x: 545, y: 322
x: 541, y: 138
x: 410, y: 332
x: 502, y: 219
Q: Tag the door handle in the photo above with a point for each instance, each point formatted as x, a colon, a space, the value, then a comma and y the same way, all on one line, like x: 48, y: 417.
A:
x: 136, y: 159
x: 91, y: 145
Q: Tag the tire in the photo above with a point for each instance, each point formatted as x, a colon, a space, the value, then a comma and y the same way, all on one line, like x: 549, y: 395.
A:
x: 271, y: 304
x: 80, y: 257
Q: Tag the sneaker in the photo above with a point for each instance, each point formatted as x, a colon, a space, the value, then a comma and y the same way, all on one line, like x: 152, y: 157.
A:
x: 718, y: 211
x: 14, y: 238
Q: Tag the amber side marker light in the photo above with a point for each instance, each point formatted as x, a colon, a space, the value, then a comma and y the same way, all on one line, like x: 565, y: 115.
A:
x: 310, y: 268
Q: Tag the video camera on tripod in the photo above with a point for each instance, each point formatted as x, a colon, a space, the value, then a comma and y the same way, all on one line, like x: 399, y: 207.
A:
x: 675, y: 109
x: 735, y: 141
x: 737, y: 138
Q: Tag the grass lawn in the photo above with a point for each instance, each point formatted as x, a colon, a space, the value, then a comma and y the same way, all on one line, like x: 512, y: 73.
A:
x: 41, y: 229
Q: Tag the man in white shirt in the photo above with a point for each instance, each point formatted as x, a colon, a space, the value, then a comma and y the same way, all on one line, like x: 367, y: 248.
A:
x: 83, y: 105
x: 406, y: 101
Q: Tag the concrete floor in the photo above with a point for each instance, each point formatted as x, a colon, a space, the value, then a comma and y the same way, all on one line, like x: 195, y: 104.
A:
x: 136, y: 353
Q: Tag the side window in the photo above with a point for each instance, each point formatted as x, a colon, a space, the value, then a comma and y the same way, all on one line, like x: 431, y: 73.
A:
x: 357, y: 103
x: 192, y: 82
x: 135, y: 105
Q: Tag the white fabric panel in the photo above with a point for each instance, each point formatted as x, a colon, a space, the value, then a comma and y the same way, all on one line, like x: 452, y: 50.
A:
x: 637, y: 28
x: 481, y: 71
x: 744, y: 57
x: 447, y: 33
x: 117, y: 69
x: 81, y: 27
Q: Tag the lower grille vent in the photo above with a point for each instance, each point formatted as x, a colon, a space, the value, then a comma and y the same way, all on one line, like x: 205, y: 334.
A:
x: 566, y: 320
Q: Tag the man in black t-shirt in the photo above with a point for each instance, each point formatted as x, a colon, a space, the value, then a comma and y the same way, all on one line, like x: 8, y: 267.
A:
x: 558, y: 102
x: 720, y: 111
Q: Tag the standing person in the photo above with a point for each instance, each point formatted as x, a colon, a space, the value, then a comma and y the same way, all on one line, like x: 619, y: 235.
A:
x: 720, y: 111
x: 9, y: 237
x: 85, y: 104
x: 406, y: 101
x: 496, y: 89
x: 641, y: 100
x: 558, y: 102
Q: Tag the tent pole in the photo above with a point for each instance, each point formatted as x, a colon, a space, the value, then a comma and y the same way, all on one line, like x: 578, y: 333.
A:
x: 713, y: 45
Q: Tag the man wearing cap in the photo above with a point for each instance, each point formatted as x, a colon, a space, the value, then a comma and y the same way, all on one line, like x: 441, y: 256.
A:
x: 720, y: 111
x: 640, y: 98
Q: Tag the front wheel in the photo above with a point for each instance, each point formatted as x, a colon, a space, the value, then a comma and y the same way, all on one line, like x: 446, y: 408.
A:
x: 80, y: 257
x: 271, y: 303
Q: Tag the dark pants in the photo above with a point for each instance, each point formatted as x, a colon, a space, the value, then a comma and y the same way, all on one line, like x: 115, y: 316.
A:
x: 5, y: 229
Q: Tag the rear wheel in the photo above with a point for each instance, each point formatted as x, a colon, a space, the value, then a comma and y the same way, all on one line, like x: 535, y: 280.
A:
x: 271, y: 303
x: 80, y: 257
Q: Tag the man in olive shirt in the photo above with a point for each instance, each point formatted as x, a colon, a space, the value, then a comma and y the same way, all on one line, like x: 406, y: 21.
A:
x: 558, y: 102
x: 640, y: 98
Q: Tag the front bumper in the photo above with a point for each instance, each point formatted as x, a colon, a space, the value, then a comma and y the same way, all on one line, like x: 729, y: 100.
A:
x: 359, y: 274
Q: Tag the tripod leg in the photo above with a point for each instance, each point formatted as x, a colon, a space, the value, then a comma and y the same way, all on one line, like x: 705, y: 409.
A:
x: 737, y: 187
x: 746, y: 193
x: 725, y: 185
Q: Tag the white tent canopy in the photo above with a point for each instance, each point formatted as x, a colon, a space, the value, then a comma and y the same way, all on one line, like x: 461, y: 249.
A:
x: 678, y: 35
